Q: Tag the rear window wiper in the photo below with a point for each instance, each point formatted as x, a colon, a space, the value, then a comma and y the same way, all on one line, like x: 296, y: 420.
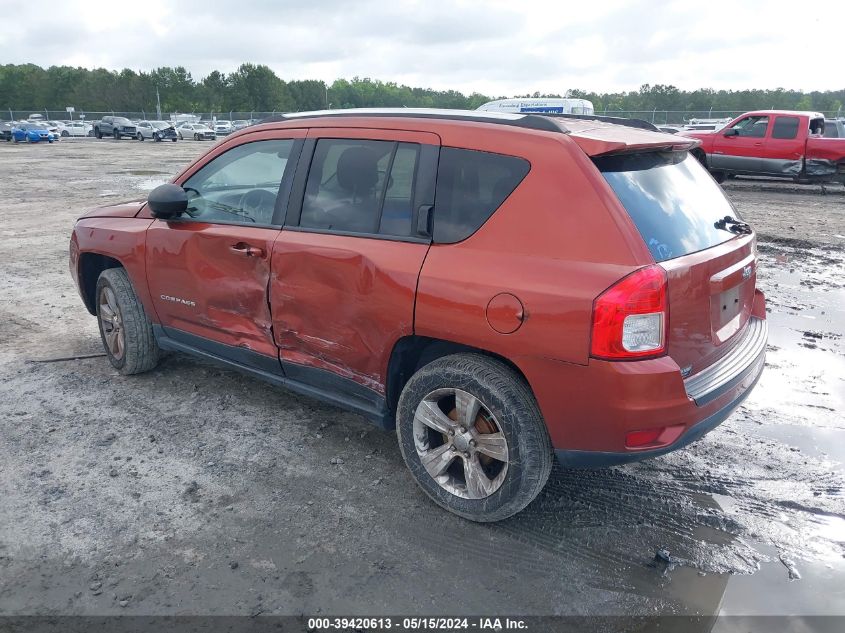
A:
x: 733, y: 225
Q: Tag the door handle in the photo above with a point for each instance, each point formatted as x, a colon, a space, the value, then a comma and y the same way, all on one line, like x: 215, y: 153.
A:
x: 424, y: 220
x: 247, y: 250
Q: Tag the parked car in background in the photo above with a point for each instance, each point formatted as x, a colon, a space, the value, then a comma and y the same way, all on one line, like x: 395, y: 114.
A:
x: 623, y: 323
x: 784, y: 143
x: 240, y: 124
x: 79, y: 128
x: 156, y: 130
x: 223, y: 127
x: 706, y: 125
x: 61, y: 127
x: 56, y: 128
x: 32, y: 132
x: 196, y: 131
x: 6, y: 130
x: 834, y: 128
x: 115, y: 126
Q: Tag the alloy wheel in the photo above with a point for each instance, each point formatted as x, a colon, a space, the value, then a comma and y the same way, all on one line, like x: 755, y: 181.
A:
x: 460, y: 443
x: 112, y: 323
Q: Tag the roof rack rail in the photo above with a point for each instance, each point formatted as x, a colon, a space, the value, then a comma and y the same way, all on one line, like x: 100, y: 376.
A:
x: 544, y: 121
x: 531, y: 121
x: 617, y: 120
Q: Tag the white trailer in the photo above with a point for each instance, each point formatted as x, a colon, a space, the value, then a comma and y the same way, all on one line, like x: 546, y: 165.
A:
x: 540, y: 106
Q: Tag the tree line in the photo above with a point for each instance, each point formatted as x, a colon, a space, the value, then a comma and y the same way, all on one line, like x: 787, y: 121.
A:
x: 256, y: 87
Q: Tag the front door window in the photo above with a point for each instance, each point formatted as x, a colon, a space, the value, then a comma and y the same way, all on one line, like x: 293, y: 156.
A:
x: 240, y: 186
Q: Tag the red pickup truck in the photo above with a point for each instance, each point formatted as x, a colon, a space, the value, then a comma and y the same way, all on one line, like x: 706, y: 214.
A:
x: 784, y: 143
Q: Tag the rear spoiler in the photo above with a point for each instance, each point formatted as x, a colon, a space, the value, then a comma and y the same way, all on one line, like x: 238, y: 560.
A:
x: 616, y: 120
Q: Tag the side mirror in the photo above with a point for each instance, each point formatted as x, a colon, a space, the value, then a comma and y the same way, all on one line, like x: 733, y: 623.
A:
x: 731, y: 131
x: 167, y: 201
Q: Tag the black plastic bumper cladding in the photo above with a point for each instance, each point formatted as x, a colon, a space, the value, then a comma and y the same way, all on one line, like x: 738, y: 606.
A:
x: 727, y: 372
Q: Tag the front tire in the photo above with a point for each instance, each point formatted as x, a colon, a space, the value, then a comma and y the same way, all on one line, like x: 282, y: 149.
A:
x: 65, y: 133
x: 472, y: 436
x: 196, y: 137
x: 116, y: 135
x: 98, y: 133
x: 125, y: 328
x: 140, y: 136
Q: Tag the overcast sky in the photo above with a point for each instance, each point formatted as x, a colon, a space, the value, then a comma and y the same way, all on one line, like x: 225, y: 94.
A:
x: 494, y: 47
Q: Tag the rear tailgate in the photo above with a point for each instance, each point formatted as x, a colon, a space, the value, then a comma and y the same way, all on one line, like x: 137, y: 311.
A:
x: 711, y: 296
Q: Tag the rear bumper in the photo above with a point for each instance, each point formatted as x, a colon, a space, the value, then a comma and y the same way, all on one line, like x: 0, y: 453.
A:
x: 590, y: 410
x: 600, y: 459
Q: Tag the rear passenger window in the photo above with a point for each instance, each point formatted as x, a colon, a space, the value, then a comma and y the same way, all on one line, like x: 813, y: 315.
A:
x: 360, y: 186
x: 785, y: 127
x: 471, y: 185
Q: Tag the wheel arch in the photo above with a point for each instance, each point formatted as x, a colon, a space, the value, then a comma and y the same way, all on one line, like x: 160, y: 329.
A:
x: 411, y: 353
x: 91, y: 265
x: 700, y: 155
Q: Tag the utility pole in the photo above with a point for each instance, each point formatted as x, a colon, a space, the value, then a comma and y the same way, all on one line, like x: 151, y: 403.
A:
x: 158, y: 105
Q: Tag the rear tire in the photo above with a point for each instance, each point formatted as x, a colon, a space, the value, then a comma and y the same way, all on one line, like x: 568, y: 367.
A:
x: 502, y: 437
x: 125, y: 328
x: 718, y: 176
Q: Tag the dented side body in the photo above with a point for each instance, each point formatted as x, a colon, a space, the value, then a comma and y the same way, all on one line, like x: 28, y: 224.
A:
x: 328, y: 314
x: 792, y: 146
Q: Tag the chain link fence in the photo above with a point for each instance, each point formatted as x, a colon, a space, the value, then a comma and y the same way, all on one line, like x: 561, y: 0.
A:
x: 658, y: 117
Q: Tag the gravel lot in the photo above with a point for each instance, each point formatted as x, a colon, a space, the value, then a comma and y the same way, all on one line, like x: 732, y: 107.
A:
x: 193, y: 489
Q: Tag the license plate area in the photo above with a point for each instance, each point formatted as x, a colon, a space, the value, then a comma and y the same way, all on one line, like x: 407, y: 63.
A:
x: 729, y: 311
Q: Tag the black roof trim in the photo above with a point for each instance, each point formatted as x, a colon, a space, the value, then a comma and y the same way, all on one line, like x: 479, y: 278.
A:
x: 527, y: 121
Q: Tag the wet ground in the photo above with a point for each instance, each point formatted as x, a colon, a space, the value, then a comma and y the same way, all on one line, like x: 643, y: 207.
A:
x: 192, y: 489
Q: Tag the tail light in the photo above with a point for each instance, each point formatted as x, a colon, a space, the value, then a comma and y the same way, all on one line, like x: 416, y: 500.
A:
x: 630, y: 319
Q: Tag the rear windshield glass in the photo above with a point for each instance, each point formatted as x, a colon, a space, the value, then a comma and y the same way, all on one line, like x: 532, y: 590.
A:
x: 672, y: 200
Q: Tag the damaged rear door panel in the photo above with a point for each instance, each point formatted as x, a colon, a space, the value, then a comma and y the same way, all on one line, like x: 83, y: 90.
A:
x: 345, y: 268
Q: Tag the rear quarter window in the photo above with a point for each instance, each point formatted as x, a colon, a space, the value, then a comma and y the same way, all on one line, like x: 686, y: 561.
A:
x: 471, y: 185
x: 672, y: 200
x: 786, y: 127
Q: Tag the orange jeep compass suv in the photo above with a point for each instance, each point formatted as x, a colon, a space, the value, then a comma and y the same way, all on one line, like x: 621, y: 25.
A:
x: 502, y: 289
